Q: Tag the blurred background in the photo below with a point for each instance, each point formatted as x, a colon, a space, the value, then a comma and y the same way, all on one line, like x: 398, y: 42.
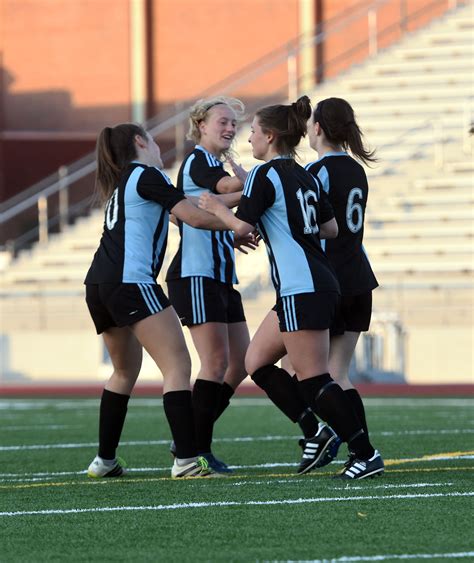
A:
x: 70, y: 67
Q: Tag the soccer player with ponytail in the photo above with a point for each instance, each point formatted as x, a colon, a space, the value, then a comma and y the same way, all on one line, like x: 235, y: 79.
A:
x: 332, y: 131
x: 127, y: 306
x: 283, y: 201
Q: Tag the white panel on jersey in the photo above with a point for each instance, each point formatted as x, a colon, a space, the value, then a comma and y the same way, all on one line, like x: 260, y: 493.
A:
x: 291, y: 262
x: 141, y: 218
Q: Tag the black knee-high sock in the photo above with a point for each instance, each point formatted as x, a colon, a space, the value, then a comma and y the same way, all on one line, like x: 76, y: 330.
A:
x: 179, y: 412
x: 358, y: 406
x: 205, y: 403
x: 224, y: 400
x: 283, y: 391
x: 328, y: 398
x: 112, y: 412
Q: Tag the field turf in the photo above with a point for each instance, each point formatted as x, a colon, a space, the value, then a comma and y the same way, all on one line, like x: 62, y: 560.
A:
x: 420, y: 509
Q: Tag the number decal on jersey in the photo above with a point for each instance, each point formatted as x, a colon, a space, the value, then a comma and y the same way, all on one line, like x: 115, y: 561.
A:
x: 309, y: 211
x: 111, y: 211
x: 354, y: 209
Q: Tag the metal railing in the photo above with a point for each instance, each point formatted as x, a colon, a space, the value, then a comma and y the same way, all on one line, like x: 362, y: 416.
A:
x: 52, y: 204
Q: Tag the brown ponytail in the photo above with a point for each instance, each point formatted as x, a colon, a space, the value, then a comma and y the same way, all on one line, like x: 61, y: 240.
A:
x: 337, y: 119
x: 115, y: 149
x: 287, y: 123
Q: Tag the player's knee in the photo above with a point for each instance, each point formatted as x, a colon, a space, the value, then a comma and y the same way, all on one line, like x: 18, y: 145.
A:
x: 216, y: 366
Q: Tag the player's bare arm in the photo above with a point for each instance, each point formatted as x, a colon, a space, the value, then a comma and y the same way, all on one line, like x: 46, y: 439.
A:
x: 212, y: 204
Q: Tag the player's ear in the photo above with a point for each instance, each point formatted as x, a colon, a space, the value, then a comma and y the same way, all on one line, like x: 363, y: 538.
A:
x: 318, y: 128
x: 270, y: 136
x: 140, y: 141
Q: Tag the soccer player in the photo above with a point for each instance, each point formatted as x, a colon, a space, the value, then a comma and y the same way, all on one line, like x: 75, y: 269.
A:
x: 202, y: 275
x: 280, y: 198
x: 127, y: 306
x: 332, y: 130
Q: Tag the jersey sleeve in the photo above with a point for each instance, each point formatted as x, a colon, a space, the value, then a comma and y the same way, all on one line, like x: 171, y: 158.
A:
x: 321, y: 178
x: 206, y: 171
x: 319, y: 171
x: 154, y: 185
x: 257, y: 196
x: 325, y: 208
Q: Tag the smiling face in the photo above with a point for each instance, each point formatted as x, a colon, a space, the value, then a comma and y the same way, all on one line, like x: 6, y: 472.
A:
x: 260, y: 141
x: 218, y: 129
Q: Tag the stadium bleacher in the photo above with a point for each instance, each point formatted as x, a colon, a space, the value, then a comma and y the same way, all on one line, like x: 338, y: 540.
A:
x: 414, y: 101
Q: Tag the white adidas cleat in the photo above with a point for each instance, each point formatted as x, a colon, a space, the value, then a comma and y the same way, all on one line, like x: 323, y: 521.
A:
x: 99, y: 469
x: 199, y: 467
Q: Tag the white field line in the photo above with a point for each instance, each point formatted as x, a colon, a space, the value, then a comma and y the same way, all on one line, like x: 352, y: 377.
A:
x: 65, y: 404
x: 403, y: 556
x: 232, y: 503
x: 348, y: 487
x: 226, y: 440
x: 40, y: 427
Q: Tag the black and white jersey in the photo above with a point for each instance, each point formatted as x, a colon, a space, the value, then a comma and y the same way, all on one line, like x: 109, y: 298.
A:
x: 202, y: 253
x: 135, y: 233
x: 345, y: 182
x: 282, y: 200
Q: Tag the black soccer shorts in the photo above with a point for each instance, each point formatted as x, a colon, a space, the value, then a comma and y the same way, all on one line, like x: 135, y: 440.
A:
x: 307, y: 311
x: 123, y: 304
x: 353, y: 314
x: 200, y: 300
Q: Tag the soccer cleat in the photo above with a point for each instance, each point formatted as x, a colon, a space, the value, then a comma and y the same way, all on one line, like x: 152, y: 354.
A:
x: 216, y: 464
x: 362, y: 468
x: 197, y: 468
x: 316, y: 448
x: 98, y: 469
x: 331, y: 452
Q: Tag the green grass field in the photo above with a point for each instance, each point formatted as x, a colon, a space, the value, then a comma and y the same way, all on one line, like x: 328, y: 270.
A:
x: 50, y: 511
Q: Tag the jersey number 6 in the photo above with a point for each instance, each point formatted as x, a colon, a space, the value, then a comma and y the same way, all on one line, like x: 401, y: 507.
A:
x: 354, y: 211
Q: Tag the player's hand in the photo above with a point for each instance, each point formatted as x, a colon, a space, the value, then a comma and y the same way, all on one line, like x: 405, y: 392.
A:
x: 245, y: 241
x: 210, y: 203
x: 238, y: 170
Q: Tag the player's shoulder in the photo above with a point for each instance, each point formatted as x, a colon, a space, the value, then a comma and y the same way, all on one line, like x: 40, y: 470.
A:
x: 203, y: 156
x: 153, y: 174
x: 258, y: 172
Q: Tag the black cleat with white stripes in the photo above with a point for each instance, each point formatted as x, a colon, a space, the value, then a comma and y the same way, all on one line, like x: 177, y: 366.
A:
x: 362, y: 468
x: 316, y: 448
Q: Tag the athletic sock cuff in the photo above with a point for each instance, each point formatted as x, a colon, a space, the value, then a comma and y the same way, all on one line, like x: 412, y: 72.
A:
x: 261, y: 375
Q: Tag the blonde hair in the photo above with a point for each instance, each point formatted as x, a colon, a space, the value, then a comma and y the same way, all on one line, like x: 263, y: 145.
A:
x: 199, y: 112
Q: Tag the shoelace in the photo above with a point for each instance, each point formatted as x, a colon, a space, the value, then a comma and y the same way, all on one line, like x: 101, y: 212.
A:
x: 202, y: 461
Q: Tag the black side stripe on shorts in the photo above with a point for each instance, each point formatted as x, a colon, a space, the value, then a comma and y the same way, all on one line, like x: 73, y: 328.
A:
x: 290, y: 313
x: 197, y: 298
x: 150, y: 298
